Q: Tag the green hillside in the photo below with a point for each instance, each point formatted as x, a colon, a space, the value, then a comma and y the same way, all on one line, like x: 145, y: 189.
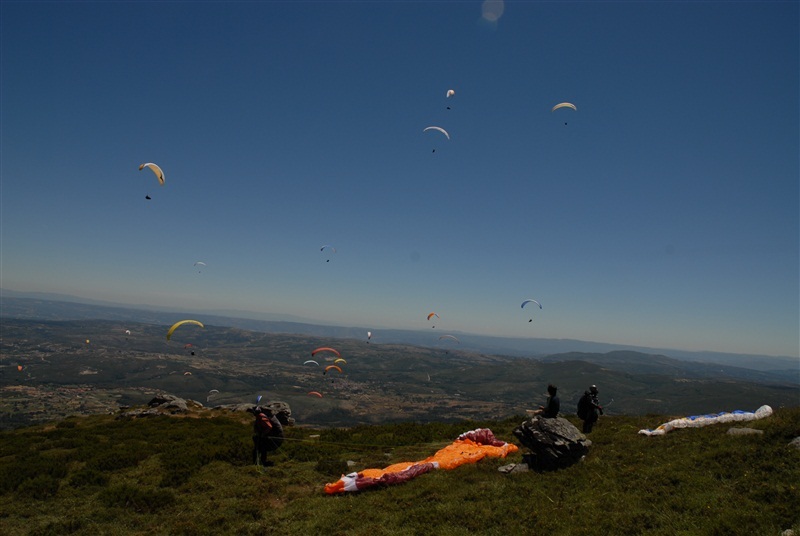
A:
x: 193, y: 476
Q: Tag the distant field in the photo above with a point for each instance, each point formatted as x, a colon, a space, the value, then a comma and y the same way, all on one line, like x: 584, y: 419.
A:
x: 63, y: 374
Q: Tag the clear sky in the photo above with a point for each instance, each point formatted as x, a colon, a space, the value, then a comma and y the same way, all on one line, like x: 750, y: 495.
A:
x: 663, y: 212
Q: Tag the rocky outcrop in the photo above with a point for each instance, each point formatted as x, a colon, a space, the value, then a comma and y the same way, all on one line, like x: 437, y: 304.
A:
x: 282, y: 411
x: 163, y: 404
x: 554, y: 443
x: 166, y: 404
x: 170, y: 403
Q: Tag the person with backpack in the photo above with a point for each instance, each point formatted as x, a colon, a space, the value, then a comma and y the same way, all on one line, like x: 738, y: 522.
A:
x: 589, y: 409
x: 267, y: 435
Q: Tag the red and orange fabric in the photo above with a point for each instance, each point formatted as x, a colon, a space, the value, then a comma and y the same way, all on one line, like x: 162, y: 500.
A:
x: 469, y: 447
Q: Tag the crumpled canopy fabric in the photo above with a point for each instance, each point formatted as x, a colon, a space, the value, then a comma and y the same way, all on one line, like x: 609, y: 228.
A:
x: 696, y: 421
x: 469, y: 447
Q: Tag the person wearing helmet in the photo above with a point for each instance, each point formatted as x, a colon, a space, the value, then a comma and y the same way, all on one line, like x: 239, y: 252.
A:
x: 589, y: 409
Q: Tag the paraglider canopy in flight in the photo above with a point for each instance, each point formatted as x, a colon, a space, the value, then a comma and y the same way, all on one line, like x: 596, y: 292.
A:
x: 524, y: 303
x: 564, y: 105
x: 325, y: 349
x: 178, y: 324
x: 155, y: 169
x: 332, y: 367
x: 330, y: 247
x: 450, y: 93
x: 440, y: 129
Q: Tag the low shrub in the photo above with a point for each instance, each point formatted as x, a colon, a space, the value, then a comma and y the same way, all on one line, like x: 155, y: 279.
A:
x: 66, y: 424
x: 234, y: 451
x: 16, y: 470
x: 117, y: 458
x: 88, y: 477
x: 141, y: 500
x: 39, y: 487
x: 57, y: 528
x: 332, y: 467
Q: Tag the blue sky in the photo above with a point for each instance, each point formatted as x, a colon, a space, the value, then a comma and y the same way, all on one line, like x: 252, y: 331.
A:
x: 662, y: 213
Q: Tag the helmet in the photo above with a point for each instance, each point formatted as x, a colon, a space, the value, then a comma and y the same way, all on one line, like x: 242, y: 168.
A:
x: 593, y: 389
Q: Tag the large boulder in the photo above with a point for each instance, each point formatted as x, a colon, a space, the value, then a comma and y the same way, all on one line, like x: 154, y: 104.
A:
x: 282, y: 411
x: 163, y: 404
x: 169, y: 402
x: 554, y: 443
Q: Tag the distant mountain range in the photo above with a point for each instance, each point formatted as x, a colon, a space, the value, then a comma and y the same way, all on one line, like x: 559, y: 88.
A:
x: 44, y: 306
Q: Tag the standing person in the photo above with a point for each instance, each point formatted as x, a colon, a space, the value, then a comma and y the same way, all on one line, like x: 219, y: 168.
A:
x: 552, y: 406
x: 267, y: 435
x: 589, y: 409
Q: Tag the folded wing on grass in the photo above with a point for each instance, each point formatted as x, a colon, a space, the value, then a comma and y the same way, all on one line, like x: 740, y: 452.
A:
x: 469, y: 447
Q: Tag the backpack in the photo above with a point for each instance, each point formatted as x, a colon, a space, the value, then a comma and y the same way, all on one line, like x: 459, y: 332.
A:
x: 263, y: 426
x: 583, y: 407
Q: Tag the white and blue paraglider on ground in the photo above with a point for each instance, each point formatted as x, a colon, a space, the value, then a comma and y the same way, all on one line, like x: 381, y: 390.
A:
x: 696, y: 421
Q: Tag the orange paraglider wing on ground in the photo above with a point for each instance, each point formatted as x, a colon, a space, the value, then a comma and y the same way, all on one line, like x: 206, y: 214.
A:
x: 469, y: 447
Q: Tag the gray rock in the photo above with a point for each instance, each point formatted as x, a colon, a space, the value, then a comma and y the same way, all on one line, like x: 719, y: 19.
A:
x: 171, y: 403
x: 744, y: 431
x: 795, y: 442
x: 514, y: 468
x: 282, y: 411
x: 554, y: 443
x: 166, y: 404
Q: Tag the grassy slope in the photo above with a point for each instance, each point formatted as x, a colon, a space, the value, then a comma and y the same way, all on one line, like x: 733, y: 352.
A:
x: 170, y: 475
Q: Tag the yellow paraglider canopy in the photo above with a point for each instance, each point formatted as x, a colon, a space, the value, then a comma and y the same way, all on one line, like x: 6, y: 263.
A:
x: 176, y: 325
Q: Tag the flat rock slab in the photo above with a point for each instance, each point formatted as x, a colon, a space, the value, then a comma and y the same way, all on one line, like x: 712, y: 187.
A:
x: 744, y: 431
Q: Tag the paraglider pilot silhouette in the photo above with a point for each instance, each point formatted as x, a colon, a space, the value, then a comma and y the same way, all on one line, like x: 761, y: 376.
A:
x: 589, y: 409
x: 552, y: 406
x: 267, y: 435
